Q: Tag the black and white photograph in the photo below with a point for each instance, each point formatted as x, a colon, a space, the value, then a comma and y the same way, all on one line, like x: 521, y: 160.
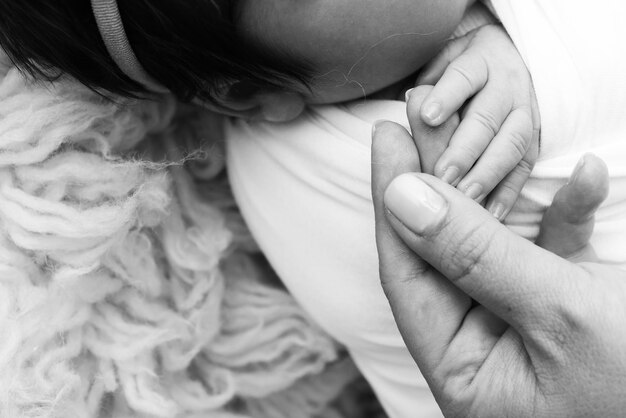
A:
x: 312, y: 208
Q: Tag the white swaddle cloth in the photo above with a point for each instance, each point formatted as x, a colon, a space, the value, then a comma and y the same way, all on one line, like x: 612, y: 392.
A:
x: 304, y: 187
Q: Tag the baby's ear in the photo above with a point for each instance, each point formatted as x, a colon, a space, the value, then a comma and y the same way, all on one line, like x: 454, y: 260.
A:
x: 249, y: 101
x: 280, y: 106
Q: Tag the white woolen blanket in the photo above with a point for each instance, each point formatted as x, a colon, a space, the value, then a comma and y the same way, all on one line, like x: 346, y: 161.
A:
x: 129, y: 285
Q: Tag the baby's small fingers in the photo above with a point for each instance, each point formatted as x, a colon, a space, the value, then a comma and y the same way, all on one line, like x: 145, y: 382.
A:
x: 480, y: 125
x: 431, y: 73
x: 506, y: 193
x: 463, y: 78
x: 505, y: 152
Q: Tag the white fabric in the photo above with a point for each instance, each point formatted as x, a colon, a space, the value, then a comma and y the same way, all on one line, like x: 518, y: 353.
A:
x: 304, y: 187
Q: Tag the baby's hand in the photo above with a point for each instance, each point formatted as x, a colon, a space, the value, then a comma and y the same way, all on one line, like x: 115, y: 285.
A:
x: 494, y: 149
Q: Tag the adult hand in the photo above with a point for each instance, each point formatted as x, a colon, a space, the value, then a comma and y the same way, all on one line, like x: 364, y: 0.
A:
x: 498, y: 325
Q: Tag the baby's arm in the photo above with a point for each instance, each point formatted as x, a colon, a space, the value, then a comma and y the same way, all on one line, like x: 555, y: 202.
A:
x: 493, y: 150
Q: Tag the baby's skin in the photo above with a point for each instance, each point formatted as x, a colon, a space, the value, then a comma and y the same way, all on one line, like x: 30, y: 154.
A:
x: 358, y: 47
x: 492, y: 149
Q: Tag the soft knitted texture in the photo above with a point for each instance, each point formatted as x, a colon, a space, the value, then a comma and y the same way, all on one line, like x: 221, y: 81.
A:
x: 129, y: 284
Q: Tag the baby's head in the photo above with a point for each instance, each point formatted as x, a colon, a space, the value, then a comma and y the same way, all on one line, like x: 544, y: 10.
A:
x: 248, y: 58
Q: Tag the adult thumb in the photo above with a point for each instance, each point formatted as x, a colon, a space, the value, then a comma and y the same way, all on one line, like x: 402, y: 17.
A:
x: 568, y: 223
x: 515, y: 279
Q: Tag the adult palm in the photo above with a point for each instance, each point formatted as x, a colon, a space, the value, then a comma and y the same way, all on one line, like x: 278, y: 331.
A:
x: 499, y: 326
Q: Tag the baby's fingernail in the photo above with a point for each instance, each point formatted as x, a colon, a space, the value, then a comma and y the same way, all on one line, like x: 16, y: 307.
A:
x: 414, y: 203
x: 431, y: 112
x: 407, y: 95
x: 497, y: 210
x: 451, y: 175
x: 474, y: 191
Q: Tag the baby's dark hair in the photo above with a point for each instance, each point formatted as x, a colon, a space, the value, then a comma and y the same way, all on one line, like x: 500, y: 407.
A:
x: 190, y: 46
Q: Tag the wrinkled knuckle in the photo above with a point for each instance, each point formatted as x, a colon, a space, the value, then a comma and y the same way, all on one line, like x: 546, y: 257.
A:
x: 512, y: 186
x: 395, y: 280
x: 464, y: 156
x: 400, y: 267
x: 520, y: 141
x: 456, y: 397
x: 488, y: 121
x: 508, y: 189
x: 466, y: 76
x: 465, y: 253
x: 525, y: 166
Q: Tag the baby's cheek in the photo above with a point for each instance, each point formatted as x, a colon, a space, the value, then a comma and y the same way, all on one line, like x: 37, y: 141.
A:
x: 355, y: 47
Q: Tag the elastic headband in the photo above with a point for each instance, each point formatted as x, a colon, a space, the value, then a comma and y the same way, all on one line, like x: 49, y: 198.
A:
x: 112, y: 32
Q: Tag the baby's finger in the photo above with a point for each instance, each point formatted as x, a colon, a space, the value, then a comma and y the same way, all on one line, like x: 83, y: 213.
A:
x: 506, y: 193
x: 431, y: 73
x: 507, y: 149
x: 430, y: 142
x: 480, y: 124
x: 463, y: 78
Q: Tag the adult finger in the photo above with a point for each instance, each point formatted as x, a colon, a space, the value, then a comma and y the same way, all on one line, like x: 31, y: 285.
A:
x: 393, y: 153
x: 428, y: 309
x: 568, y: 223
x: 476, y: 253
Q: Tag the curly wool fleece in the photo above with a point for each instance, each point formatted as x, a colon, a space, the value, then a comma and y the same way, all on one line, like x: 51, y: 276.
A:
x: 129, y: 285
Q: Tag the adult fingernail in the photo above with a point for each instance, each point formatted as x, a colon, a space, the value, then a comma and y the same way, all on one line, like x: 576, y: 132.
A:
x: 451, y: 175
x: 407, y: 95
x: 431, y: 111
x: 474, y: 191
x: 414, y: 203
